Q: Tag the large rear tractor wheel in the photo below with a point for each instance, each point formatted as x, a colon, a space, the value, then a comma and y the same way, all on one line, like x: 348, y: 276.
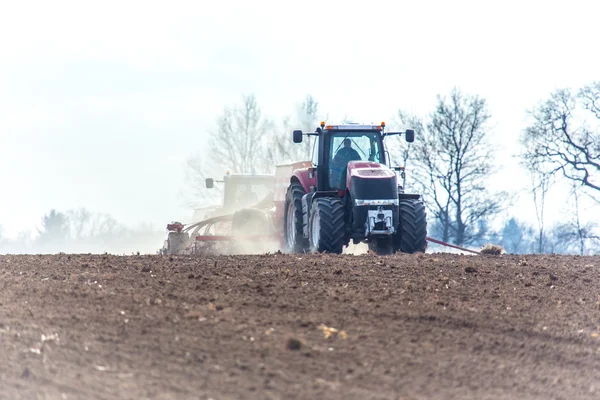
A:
x: 327, y: 226
x: 412, y: 234
x: 294, y: 235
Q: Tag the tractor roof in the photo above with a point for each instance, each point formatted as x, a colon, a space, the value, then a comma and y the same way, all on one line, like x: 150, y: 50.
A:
x: 354, y: 127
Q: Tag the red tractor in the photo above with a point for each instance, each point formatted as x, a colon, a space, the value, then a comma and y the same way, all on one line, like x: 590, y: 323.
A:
x: 349, y: 193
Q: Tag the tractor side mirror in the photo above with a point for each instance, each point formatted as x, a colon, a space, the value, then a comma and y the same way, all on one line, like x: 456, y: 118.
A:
x: 410, y: 135
x: 210, y: 183
x: 297, y: 136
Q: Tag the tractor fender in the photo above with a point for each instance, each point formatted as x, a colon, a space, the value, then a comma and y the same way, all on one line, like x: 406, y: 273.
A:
x: 411, y: 196
x: 302, y: 175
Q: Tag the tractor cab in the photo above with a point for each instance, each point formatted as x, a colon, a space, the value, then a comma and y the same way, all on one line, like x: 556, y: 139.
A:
x: 350, y: 193
x: 337, y: 146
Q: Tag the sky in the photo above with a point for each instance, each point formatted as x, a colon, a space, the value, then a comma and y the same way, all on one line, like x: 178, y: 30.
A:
x: 101, y: 103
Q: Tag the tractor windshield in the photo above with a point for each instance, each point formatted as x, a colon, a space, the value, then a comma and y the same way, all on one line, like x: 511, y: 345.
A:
x: 352, y: 146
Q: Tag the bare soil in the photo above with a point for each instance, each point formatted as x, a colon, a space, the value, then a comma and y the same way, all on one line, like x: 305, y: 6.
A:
x: 433, y: 326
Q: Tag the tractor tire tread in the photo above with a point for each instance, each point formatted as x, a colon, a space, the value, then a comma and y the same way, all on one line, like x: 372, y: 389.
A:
x: 333, y: 228
x: 412, y: 237
x: 295, y: 193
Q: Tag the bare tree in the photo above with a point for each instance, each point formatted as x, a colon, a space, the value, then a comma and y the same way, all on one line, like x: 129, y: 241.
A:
x: 79, y: 221
x: 238, y: 144
x: 399, y: 148
x: 281, y: 149
x: 86, y: 226
x: 452, y: 159
x: 54, y: 232
x: 307, y: 115
x: 104, y: 225
x: 564, y: 135
x: 246, y: 142
x: 573, y: 234
x: 239, y: 139
x: 541, y: 180
x: 581, y: 233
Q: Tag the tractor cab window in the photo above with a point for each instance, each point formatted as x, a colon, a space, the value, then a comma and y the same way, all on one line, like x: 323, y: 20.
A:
x: 352, y: 146
x: 315, y: 152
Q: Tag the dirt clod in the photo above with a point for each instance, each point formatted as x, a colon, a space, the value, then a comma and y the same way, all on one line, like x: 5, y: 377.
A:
x: 294, y: 344
x: 26, y: 374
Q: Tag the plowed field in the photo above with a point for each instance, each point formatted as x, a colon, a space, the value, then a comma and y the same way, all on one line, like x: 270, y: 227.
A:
x: 433, y: 326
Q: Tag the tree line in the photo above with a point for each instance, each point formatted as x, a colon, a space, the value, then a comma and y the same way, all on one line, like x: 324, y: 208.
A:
x: 83, y: 231
x: 451, y: 163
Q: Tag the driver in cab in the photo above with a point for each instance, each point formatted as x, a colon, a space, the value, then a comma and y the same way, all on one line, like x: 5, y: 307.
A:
x: 341, y: 160
x: 346, y: 154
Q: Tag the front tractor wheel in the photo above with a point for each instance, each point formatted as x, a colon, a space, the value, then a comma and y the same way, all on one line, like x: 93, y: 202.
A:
x: 294, y: 235
x: 327, y: 226
x: 412, y: 235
